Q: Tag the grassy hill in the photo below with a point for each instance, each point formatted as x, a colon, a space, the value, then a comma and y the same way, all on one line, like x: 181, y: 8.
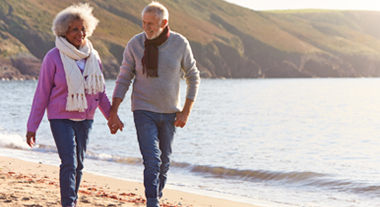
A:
x: 227, y: 40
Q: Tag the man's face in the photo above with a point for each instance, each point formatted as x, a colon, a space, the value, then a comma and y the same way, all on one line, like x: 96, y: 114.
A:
x: 151, y: 25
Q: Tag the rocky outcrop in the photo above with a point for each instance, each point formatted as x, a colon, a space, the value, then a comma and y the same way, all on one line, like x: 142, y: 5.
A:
x: 227, y: 41
x: 8, y: 72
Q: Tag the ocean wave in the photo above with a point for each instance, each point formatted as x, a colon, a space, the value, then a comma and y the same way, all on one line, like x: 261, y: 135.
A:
x: 250, y: 175
x: 13, y: 141
x: 281, y: 178
x: 113, y: 158
x: 45, y: 148
x: 94, y: 155
x: 289, y: 179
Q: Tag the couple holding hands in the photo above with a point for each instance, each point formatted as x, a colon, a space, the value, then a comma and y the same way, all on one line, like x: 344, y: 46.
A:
x: 71, y: 87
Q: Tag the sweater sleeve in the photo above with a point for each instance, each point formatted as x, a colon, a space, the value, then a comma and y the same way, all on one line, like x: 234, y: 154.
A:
x: 104, y: 102
x: 191, y: 72
x: 42, y: 94
x: 127, y: 72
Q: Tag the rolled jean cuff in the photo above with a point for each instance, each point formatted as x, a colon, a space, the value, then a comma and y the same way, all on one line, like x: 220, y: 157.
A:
x: 152, y: 202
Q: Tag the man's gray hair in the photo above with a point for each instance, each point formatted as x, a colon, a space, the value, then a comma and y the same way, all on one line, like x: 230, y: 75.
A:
x: 159, y: 9
x: 81, y: 11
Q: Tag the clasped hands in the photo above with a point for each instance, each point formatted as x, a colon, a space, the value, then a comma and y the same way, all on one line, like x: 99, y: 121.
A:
x: 114, y: 123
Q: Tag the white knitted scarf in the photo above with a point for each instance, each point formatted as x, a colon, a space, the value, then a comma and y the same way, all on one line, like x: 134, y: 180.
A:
x: 91, y: 81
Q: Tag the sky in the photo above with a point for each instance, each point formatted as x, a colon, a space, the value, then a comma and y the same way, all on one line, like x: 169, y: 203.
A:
x: 309, y: 4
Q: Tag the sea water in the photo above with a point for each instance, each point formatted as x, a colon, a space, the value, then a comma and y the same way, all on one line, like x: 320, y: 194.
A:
x: 269, y: 142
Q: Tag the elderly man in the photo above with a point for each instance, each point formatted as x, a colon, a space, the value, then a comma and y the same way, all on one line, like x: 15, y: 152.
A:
x: 155, y: 59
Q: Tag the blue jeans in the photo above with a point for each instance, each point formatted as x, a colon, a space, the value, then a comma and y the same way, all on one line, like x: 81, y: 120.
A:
x: 155, y: 132
x: 71, y: 139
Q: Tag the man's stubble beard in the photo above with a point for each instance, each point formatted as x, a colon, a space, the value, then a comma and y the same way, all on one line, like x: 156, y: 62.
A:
x: 155, y: 35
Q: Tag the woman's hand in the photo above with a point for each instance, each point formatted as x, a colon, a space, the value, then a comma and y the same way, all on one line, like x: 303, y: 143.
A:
x: 31, y: 138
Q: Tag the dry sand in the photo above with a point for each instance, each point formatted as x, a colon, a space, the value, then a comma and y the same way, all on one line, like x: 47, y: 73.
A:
x: 28, y: 184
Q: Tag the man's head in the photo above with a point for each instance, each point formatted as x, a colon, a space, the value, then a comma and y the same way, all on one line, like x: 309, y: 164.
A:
x: 155, y: 18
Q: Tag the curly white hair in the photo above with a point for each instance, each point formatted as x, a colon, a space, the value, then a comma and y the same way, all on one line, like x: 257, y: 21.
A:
x: 81, y: 11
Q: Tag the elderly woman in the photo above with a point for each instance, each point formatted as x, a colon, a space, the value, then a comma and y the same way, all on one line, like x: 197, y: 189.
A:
x: 70, y: 87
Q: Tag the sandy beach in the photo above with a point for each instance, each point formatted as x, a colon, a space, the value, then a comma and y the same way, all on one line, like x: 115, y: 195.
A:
x: 37, y: 185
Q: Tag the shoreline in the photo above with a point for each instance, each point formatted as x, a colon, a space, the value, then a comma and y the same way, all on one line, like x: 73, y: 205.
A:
x: 20, y: 179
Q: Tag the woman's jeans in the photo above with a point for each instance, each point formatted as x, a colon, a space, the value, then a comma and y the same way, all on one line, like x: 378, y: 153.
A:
x: 155, y: 133
x: 71, y: 138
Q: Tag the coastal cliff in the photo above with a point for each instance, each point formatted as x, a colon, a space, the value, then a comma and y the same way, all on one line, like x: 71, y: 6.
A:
x: 227, y: 40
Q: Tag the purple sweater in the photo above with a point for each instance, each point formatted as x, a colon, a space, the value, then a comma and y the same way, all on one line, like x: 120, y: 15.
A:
x: 52, y: 91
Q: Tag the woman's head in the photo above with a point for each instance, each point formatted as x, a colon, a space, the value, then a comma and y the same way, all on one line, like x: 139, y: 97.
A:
x: 75, y: 22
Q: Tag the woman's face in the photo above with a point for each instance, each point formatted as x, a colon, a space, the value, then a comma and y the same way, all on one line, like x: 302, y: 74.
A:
x: 76, y: 33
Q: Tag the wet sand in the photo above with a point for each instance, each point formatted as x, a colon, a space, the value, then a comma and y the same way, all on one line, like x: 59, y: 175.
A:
x: 32, y: 184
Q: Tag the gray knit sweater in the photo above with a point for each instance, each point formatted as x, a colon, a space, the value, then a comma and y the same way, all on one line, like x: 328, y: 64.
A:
x: 158, y: 94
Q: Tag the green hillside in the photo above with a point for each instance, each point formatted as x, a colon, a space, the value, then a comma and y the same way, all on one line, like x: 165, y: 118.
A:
x: 227, y: 40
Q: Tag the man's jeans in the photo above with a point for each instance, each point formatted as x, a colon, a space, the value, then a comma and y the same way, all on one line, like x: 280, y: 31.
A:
x: 71, y: 138
x: 155, y: 133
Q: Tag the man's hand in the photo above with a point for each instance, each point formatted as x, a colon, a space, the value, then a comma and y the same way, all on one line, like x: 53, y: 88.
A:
x: 183, y: 116
x: 181, y: 119
x: 31, y: 138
